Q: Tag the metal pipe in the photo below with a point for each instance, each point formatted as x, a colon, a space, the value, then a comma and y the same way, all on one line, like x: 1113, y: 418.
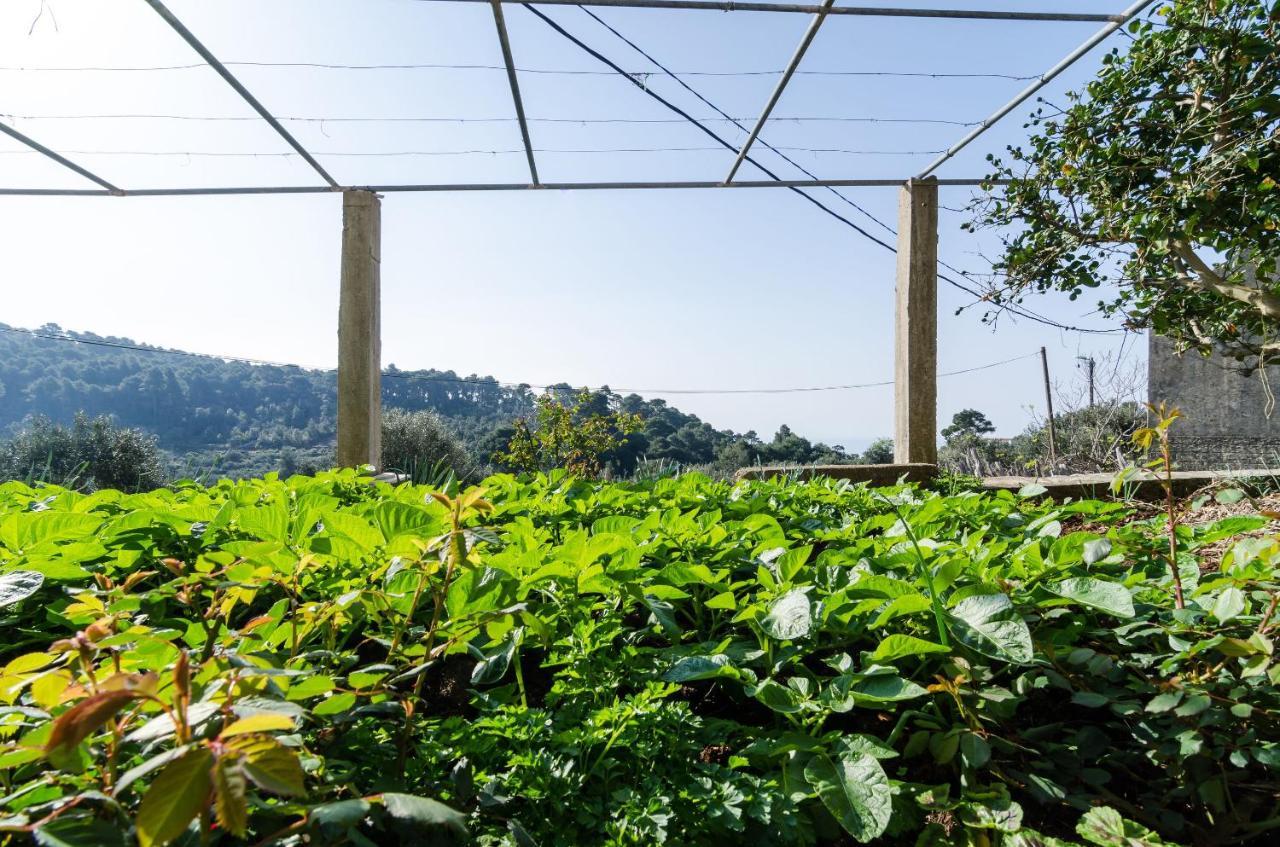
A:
x: 796, y: 58
x: 483, y: 186
x: 190, y: 38
x: 1069, y: 60
x: 501, y: 23
x: 801, y: 8
x: 57, y: 157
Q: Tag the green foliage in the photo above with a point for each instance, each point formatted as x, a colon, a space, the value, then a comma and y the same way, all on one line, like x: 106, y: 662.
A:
x: 878, y: 452
x: 969, y: 422
x: 572, y: 436
x: 218, y: 419
x: 546, y: 660
x: 91, y: 453
x: 422, y: 445
x: 1159, y: 182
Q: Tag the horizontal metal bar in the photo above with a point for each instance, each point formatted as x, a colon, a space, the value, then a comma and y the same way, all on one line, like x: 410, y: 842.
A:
x: 1070, y: 59
x: 189, y: 37
x: 504, y: 41
x: 808, y: 9
x: 480, y: 186
x: 57, y: 157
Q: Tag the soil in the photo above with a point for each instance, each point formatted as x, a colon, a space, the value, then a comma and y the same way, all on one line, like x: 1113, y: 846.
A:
x: 446, y: 688
x: 1211, y: 554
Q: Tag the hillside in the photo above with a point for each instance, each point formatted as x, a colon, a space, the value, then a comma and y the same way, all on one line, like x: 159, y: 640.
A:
x: 232, y: 418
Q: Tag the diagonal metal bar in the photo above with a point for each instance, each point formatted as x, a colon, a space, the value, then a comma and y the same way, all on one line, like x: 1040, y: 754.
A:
x: 501, y: 23
x: 1045, y: 78
x: 805, y: 8
x: 60, y: 159
x: 796, y: 58
x: 190, y: 38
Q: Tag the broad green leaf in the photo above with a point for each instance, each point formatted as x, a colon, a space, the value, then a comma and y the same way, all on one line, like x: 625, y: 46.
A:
x: 332, y: 820
x: 71, y: 830
x: 1230, y: 604
x: 1105, y: 827
x: 854, y: 788
x: 16, y: 586
x: 178, y: 794
x: 229, y: 789
x: 692, y: 668
x: 780, y: 698
x: 897, y: 646
x: 423, y: 813
x: 989, y: 624
x: 271, y: 765
x: 789, y: 617
x: 1095, y: 550
x: 1110, y: 597
x: 335, y: 704
x: 1229, y: 496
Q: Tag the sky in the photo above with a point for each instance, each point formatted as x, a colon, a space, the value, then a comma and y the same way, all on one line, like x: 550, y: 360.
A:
x: 652, y: 290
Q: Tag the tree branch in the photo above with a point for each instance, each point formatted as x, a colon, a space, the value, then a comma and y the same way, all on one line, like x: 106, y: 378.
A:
x: 1206, y: 279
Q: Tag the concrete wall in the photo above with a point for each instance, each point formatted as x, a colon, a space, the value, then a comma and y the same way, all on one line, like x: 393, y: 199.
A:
x: 1224, y: 424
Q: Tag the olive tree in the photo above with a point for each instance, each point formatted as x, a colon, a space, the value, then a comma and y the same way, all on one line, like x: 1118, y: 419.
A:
x: 1158, y: 183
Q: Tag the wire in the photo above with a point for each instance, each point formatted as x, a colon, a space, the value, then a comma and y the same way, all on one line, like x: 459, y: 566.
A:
x: 412, y: 377
x: 502, y: 68
x: 297, y: 119
x: 1020, y: 311
x: 391, y: 153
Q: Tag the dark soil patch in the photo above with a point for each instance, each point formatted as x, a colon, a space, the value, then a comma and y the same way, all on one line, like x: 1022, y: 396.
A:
x: 446, y: 689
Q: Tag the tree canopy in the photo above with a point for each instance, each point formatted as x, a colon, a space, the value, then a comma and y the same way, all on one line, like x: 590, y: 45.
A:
x: 1158, y: 183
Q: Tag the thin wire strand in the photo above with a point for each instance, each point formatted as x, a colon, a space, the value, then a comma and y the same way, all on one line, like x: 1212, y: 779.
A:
x: 490, y: 382
x: 282, y: 154
x: 481, y: 67
x: 1021, y: 312
x: 410, y: 119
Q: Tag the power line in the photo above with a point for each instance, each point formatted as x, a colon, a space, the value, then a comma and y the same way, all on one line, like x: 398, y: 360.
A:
x: 481, y: 67
x: 411, y: 119
x: 412, y: 377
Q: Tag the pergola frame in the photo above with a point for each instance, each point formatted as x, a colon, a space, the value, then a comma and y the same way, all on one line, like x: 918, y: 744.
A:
x: 359, y: 341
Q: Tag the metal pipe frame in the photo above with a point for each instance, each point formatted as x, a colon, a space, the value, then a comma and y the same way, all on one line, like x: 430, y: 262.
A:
x: 195, y: 44
x: 59, y: 158
x: 1045, y: 78
x: 500, y: 21
x: 796, y: 58
x: 479, y: 186
x: 799, y: 8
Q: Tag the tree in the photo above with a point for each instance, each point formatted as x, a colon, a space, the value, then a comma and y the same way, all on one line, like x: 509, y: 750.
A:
x: 421, y: 445
x: 571, y: 435
x: 1159, y: 182
x: 968, y: 422
x: 92, y: 453
x: 879, y: 452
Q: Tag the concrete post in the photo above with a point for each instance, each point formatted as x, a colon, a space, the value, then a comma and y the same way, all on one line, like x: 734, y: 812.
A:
x: 915, y: 386
x: 360, y: 332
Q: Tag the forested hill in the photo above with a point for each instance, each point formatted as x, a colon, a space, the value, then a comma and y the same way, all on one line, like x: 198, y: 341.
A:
x: 237, y: 418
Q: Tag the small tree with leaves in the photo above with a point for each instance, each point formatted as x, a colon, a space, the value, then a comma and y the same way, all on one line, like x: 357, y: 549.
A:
x: 1159, y: 183
x: 968, y: 422
x: 572, y: 435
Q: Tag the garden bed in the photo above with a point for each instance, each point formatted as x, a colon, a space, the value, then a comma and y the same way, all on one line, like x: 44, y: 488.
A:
x: 549, y: 661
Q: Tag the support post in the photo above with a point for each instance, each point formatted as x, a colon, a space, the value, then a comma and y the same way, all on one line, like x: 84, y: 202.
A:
x: 1048, y: 400
x: 360, y: 332
x: 915, y: 381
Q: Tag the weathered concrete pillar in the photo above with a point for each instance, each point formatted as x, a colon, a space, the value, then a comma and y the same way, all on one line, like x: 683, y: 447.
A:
x: 360, y: 332
x: 915, y: 372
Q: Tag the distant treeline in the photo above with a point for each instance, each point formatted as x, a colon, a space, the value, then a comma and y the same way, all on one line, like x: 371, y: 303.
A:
x: 220, y: 417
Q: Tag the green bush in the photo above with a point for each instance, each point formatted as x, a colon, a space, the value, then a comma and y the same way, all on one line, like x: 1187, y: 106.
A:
x: 422, y: 445
x: 91, y: 453
x: 551, y: 661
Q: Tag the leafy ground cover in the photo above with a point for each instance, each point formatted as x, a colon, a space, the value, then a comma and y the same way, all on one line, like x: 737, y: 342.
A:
x: 547, y: 661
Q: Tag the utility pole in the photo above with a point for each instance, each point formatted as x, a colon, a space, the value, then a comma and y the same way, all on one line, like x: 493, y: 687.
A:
x: 1090, y: 363
x: 1048, y: 398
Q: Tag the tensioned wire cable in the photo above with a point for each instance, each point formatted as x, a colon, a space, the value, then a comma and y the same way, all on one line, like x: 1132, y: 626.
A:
x: 482, y: 67
x: 412, y: 377
x: 867, y: 119
x: 277, y: 154
x: 1020, y: 311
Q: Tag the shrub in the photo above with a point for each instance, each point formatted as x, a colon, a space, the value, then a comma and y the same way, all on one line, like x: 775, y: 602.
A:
x: 92, y: 453
x: 422, y: 445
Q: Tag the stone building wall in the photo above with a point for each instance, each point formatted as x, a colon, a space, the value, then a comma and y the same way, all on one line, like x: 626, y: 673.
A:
x: 1225, y: 423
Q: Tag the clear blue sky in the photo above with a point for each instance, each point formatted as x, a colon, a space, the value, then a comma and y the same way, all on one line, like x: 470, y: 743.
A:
x: 663, y: 289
